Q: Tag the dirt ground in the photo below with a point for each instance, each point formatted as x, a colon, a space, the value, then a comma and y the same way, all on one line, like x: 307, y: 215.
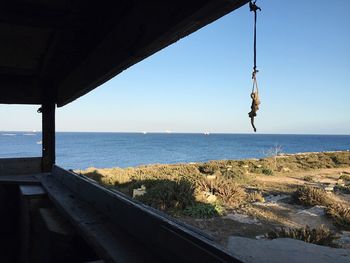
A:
x: 257, y: 219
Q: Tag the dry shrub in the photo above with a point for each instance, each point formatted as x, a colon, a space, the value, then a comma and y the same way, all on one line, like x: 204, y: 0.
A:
x: 255, y: 197
x: 320, y: 235
x: 308, y: 178
x: 339, y: 158
x: 228, y: 191
x: 203, y: 185
x: 345, y: 177
x: 310, y: 196
x: 236, y: 175
x: 93, y: 174
x: 108, y: 177
x: 116, y: 176
x: 209, y: 168
x: 342, y: 189
x: 229, y: 168
x: 340, y: 215
x: 307, y: 161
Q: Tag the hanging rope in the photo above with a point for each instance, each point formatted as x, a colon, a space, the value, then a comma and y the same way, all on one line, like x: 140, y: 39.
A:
x: 255, y: 92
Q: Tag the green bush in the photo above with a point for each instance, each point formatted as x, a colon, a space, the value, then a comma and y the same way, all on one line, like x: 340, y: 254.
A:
x: 267, y: 171
x: 202, y: 210
x: 169, y: 195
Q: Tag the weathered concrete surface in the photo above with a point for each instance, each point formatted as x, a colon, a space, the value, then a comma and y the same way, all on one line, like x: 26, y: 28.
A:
x: 284, y: 250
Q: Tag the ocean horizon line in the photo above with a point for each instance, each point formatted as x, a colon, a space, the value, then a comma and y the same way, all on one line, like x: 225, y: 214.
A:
x: 177, y: 132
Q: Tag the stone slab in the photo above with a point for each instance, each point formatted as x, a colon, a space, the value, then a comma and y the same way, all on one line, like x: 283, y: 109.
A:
x: 284, y: 250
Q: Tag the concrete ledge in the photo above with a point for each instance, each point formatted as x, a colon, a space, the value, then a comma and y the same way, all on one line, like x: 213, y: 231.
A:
x: 284, y: 250
x: 159, y: 234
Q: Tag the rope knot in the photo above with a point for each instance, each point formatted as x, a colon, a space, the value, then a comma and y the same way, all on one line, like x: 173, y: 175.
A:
x: 254, y: 73
x: 253, y: 7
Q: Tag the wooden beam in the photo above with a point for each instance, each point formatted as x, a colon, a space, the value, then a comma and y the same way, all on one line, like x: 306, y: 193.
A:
x: 29, y: 179
x: 19, y: 89
x: 48, y: 14
x: 20, y: 166
x: 48, y: 140
x: 145, y: 36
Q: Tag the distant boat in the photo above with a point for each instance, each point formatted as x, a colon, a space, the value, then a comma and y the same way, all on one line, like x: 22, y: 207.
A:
x: 206, y: 133
x: 144, y: 132
x: 167, y: 131
x: 39, y: 142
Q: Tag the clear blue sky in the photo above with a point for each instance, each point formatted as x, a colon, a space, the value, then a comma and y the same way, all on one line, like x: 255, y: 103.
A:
x: 202, y: 82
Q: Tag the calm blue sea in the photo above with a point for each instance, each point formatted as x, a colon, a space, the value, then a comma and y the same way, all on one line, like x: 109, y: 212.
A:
x: 76, y: 150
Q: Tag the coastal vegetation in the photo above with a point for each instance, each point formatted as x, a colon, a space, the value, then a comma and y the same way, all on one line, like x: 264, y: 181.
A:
x: 320, y: 235
x: 311, y: 196
x: 226, y: 189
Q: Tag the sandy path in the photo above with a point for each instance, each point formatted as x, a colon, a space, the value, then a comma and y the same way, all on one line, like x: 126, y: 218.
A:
x: 330, y: 175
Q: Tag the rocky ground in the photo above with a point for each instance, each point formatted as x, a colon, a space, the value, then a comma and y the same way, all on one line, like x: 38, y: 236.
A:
x: 246, y: 198
x: 278, y: 208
